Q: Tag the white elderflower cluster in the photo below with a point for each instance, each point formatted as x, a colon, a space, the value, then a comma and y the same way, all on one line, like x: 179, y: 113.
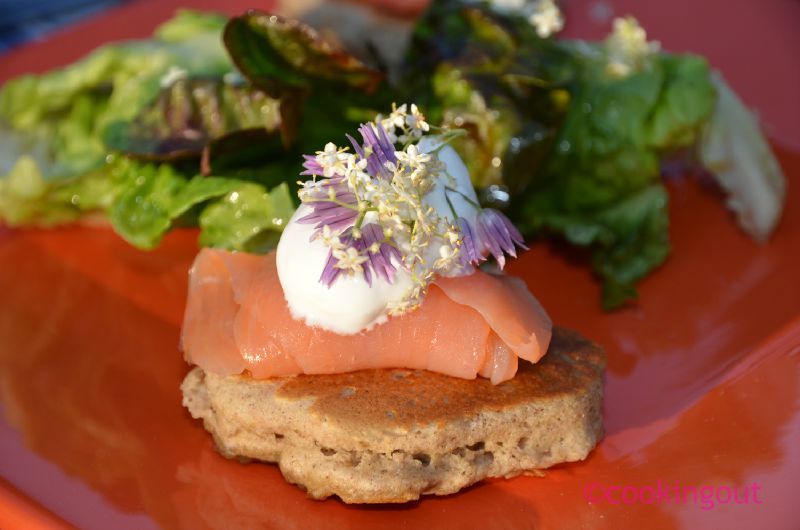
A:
x: 546, y: 18
x: 368, y: 206
x: 543, y: 15
x: 627, y: 47
x: 403, y: 126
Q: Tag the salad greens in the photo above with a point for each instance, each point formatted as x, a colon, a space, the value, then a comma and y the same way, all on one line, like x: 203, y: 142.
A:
x: 67, y: 111
x: 578, y: 144
x: 204, y: 125
x: 94, y: 131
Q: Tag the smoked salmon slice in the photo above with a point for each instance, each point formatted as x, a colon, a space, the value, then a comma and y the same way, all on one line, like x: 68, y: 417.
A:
x: 210, y: 311
x: 237, y: 320
x: 508, y: 307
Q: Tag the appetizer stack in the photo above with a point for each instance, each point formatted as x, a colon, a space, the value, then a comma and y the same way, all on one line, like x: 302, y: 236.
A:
x: 369, y: 356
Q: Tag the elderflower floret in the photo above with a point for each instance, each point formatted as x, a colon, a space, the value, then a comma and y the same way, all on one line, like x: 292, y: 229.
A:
x: 546, y: 18
x: 543, y: 15
x: 627, y: 47
x: 333, y: 160
x: 349, y: 259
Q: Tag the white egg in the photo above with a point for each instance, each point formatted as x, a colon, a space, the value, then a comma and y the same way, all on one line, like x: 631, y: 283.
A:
x: 457, y: 170
x: 454, y: 186
x: 350, y: 305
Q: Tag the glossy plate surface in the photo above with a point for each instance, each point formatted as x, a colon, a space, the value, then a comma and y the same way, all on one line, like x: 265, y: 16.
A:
x: 703, y: 385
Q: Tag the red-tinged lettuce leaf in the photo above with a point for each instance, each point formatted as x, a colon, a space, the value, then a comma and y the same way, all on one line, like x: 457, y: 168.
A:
x: 454, y: 32
x: 190, y: 114
x: 280, y: 55
x: 482, y: 71
x: 247, y: 149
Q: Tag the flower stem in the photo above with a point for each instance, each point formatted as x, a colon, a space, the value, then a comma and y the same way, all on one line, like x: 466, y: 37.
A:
x: 470, y: 201
x: 450, y: 204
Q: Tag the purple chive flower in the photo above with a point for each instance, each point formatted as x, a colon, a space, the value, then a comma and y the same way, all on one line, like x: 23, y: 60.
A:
x: 342, y: 213
x: 493, y: 234
x: 381, y: 149
x: 326, y: 212
x: 381, y: 263
x: 337, y: 216
x: 312, y: 166
x: 470, y: 249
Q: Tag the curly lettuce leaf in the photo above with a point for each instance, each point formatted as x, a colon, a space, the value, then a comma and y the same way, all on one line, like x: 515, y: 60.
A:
x: 118, y: 94
x: 628, y: 238
x: 68, y: 110
x: 230, y: 212
x: 132, y: 68
x: 27, y: 198
x: 54, y: 124
x: 61, y: 148
x: 248, y: 218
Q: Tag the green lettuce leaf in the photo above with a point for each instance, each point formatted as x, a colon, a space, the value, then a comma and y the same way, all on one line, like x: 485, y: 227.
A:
x: 65, y: 112
x: 230, y: 212
x: 640, y: 228
x: 248, y: 218
x: 600, y: 185
x: 188, y: 24
x: 686, y: 101
x: 142, y: 213
x: 577, y: 145
x: 27, y: 198
x: 628, y: 238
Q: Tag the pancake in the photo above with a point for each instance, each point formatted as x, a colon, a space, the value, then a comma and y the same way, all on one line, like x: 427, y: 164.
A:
x: 390, y: 436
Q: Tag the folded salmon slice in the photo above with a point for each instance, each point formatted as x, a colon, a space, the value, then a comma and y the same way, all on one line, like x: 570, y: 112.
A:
x: 237, y: 319
x: 508, y: 307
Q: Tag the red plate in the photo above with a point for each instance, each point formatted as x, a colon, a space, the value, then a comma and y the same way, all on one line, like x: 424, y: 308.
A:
x: 702, y: 385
